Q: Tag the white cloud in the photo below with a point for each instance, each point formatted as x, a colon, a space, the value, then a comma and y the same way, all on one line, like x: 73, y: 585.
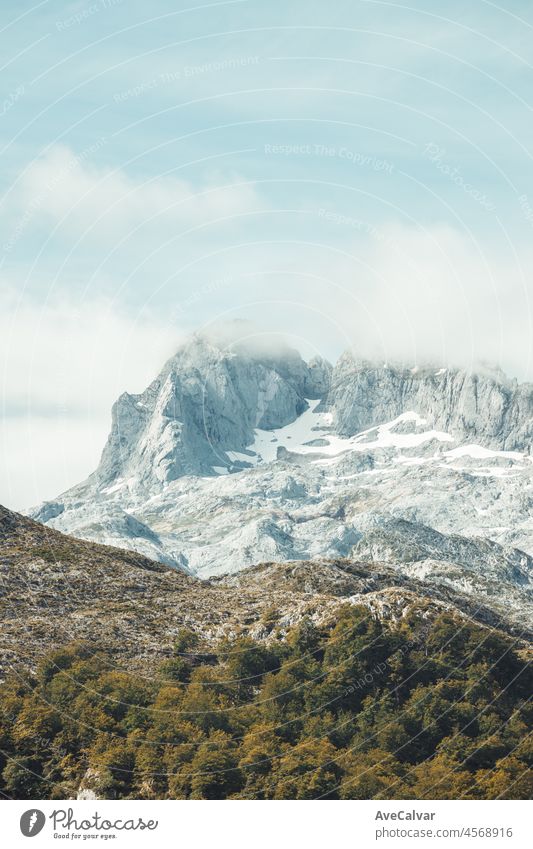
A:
x: 42, y: 457
x: 64, y: 186
x: 63, y: 366
x: 433, y: 294
x: 395, y: 293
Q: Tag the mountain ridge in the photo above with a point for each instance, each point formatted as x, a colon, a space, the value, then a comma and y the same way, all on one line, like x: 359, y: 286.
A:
x: 213, y: 393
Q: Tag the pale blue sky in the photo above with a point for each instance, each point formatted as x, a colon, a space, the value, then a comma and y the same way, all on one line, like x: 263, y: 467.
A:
x: 346, y: 172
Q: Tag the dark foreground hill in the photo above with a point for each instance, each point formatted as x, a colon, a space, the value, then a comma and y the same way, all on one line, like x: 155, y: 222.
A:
x: 340, y: 680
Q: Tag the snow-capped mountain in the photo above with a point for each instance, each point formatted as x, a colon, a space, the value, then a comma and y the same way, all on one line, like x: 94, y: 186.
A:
x: 243, y: 453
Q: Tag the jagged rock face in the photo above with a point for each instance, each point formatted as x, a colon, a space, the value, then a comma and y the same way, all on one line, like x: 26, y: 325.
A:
x: 207, y: 401
x: 480, y: 406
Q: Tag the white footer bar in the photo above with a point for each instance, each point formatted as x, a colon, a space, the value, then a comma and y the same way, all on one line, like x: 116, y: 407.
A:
x: 254, y: 825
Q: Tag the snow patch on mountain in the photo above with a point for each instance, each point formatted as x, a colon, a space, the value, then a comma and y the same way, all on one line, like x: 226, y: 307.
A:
x: 311, y: 433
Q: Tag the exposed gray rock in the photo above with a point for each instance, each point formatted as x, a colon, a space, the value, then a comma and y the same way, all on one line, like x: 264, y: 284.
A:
x: 477, y: 406
x: 399, y: 541
x: 208, y: 400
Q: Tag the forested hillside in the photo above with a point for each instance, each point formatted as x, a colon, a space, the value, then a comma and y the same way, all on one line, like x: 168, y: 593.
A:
x: 355, y: 711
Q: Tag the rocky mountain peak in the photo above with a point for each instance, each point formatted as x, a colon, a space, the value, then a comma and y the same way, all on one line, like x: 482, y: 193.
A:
x: 208, y: 400
x: 201, y: 415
